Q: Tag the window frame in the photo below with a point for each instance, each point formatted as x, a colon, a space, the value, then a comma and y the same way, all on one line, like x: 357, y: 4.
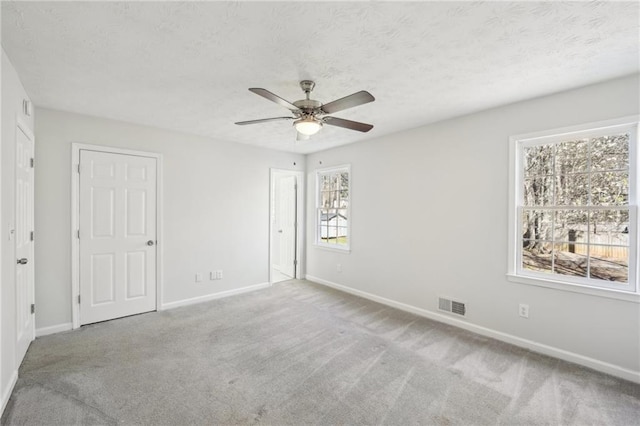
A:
x: 344, y: 168
x: 515, y: 272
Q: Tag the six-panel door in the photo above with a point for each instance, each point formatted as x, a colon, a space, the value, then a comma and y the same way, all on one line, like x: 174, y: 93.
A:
x: 117, y: 235
x: 24, y: 244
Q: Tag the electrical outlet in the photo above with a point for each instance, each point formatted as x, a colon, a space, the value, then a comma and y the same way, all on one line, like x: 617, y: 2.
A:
x: 219, y: 274
x: 212, y: 275
x: 198, y: 277
x: 523, y: 310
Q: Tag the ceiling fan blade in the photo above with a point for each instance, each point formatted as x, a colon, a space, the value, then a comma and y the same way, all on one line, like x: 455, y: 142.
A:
x: 274, y: 98
x: 301, y: 137
x: 359, y: 98
x: 263, y: 120
x: 348, y: 124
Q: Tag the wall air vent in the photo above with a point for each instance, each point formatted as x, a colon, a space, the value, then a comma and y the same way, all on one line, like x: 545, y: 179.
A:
x: 452, y: 306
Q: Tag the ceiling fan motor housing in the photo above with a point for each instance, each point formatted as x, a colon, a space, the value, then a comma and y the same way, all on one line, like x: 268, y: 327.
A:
x: 308, y: 106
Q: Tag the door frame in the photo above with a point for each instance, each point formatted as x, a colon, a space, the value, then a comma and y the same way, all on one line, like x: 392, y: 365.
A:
x: 300, y: 228
x: 22, y: 126
x: 75, y: 221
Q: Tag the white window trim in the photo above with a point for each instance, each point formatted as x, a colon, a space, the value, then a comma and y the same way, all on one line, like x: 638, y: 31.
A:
x: 558, y: 282
x: 317, y: 241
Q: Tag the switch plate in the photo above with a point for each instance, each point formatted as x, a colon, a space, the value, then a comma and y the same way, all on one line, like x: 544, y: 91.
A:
x: 339, y: 267
x: 198, y: 277
x: 219, y: 274
x: 523, y: 310
x: 212, y: 275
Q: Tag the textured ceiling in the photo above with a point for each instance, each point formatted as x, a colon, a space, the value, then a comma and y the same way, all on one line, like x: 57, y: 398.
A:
x: 186, y: 66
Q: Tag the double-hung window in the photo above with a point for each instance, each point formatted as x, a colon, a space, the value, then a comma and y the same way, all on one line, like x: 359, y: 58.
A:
x: 332, y: 207
x: 574, y: 201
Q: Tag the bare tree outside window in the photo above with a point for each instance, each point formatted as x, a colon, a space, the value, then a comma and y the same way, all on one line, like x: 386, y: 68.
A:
x: 575, y: 208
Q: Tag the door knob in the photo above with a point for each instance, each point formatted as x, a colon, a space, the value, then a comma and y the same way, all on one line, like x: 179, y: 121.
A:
x: 150, y: 243
x: 22, y: 261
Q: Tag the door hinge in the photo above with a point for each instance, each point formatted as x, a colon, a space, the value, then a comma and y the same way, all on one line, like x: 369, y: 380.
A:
x: 295, y: 262
x: 78, y: 234
x: 78, y: 299
x: 32, y: 162
x: 78, y: 168
x: 33, y: 308
x: 31, y: 236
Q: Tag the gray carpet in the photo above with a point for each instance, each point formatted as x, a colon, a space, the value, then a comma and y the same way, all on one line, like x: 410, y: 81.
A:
x: 299, y: 353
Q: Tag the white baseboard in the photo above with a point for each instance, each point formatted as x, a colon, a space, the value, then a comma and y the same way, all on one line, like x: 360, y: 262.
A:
x: 208, y: 297
x: 44, y: 331
x: 595, y: 364
x: 6, y: 393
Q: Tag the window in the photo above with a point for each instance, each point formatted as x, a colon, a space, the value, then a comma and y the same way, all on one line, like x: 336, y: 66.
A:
x: 332, y: 207
x: 575, y: 207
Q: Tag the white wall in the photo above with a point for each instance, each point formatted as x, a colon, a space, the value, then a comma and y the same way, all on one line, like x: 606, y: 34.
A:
x: 429, y: 218
x: 216, y: 208
x: 12, y: 96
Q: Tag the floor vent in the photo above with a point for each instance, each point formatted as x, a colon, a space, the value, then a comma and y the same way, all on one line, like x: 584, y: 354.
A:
x: 452, y: 306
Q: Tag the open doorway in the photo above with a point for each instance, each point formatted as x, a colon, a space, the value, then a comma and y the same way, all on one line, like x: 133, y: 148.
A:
x: 285, y: 225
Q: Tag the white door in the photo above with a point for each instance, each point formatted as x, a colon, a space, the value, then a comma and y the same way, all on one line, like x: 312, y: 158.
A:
x: 24, y: 242
x: 287, y: 224
x: 117, y: 235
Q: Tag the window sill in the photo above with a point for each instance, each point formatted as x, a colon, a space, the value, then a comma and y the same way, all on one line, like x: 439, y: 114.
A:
x: 333, y: 248
x: 574, y: 288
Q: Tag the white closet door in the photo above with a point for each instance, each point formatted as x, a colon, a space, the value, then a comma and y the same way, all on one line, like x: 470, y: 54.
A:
x: 117, y: 235
x: 24, y: 243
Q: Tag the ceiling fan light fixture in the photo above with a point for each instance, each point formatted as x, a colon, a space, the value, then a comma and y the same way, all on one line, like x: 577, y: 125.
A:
x: 308, y: 126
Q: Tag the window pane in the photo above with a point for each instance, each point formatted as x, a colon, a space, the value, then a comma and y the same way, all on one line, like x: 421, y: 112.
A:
x: 610, y: 189
x: 609, y: 227
x: 323, y: 217
x: 538, y: 191
x: 571, y: 157
x: 536, y: 224
x: 538, y: 160
x: 342, y: 236
x: 332, y: 231
x: 609, y: 263
x: 344, y: 198
x: 335, y: 181
x: 610, y: 152
x: 571, y: 226
x: 536, y: 255
x: 572, y: 190
x: 570, y: 259
x: 325, y: 182
x: 322, y: 224
x: 344, y: 180
x: 329, y: 199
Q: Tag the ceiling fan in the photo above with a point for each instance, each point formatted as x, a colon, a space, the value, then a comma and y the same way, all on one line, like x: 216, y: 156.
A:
x: 309, y: 115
